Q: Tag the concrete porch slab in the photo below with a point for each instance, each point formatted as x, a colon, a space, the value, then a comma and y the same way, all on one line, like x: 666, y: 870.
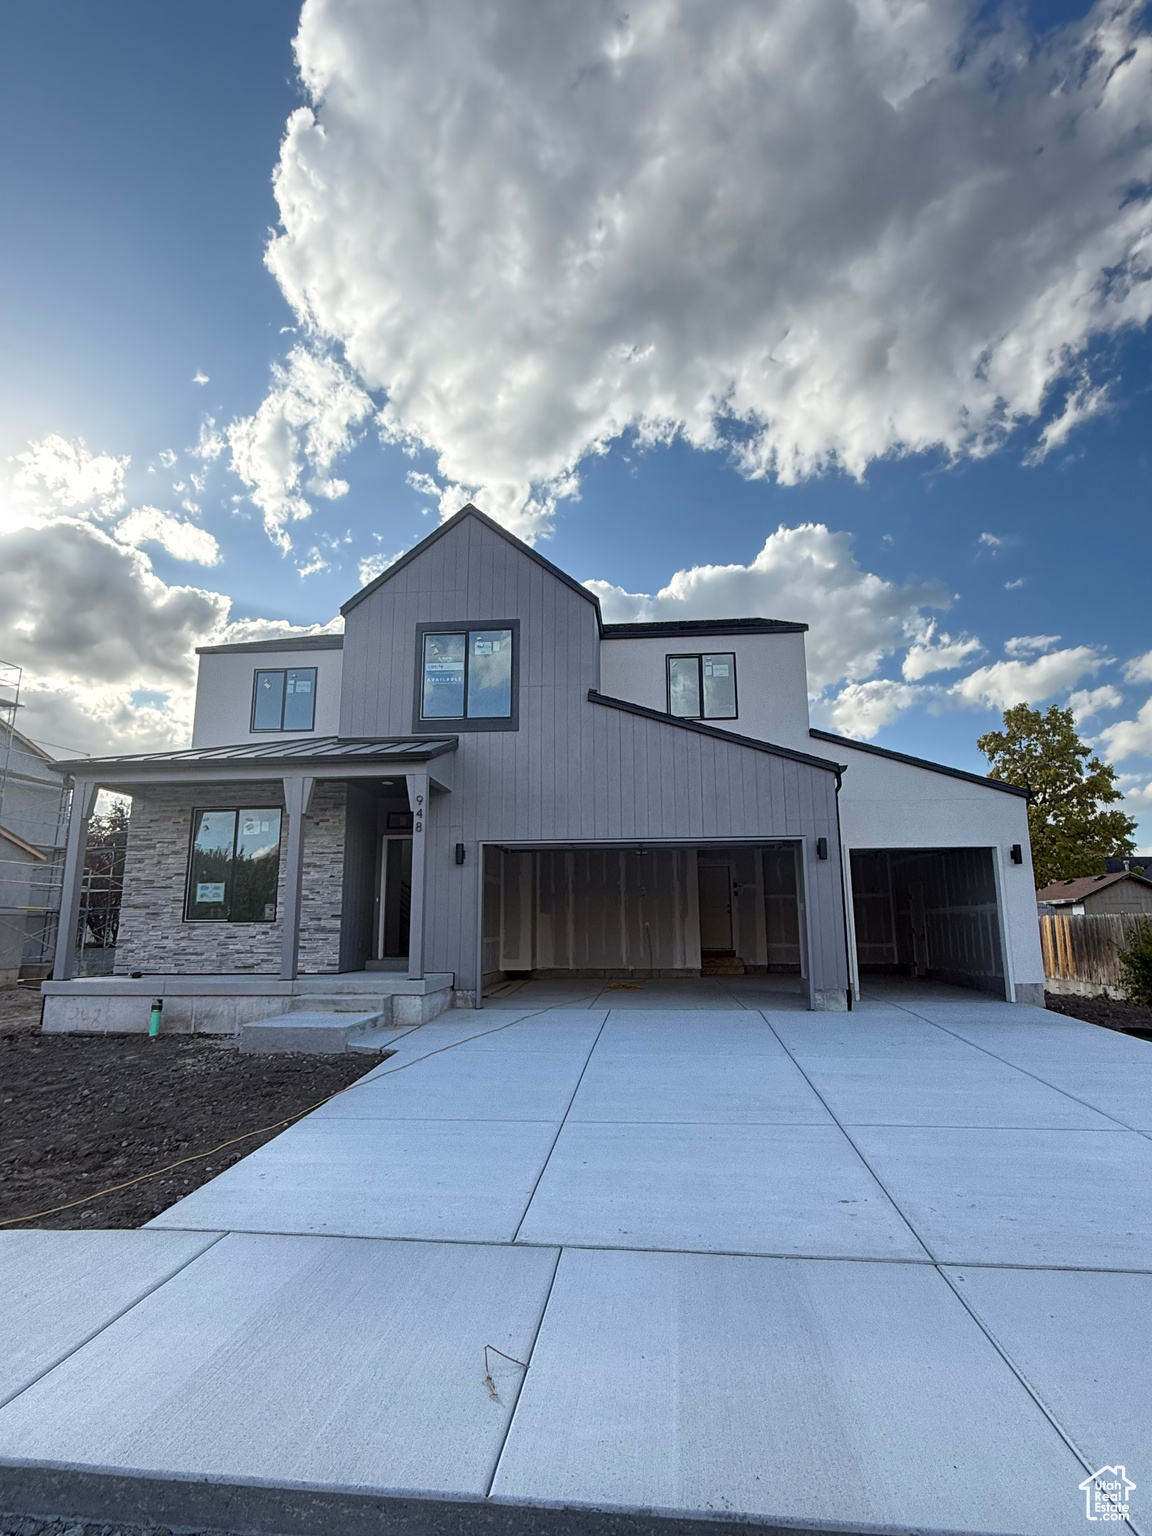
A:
x: 432, y: 1180
x: 763, y: 1189
x: 59, y: 1289
x: 1047, y: 1199
x: 324, y: 1034
x: 300, y: 1362
x: 830, y: 1396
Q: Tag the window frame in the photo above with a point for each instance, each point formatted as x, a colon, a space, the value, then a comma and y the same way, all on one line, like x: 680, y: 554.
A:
x: 445, y: 725
x: 233, y: 810
x: 698, y: 658
x: 281, y: 729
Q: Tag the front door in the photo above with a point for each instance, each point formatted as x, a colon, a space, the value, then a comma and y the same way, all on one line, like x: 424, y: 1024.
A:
x: 715, y: 907
x: 395, y: 898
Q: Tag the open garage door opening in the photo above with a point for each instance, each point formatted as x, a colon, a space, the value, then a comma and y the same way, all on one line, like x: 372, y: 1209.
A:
x: 928, y: 912
x: 635, y: 914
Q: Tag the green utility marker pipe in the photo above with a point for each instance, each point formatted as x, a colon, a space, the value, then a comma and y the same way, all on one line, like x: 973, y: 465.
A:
x: 154, y: 1020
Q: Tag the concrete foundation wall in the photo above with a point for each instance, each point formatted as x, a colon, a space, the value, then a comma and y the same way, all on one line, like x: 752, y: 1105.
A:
x: 155, y: 938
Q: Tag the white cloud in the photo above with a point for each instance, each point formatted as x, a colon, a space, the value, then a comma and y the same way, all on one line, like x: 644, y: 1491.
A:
x: 183, y: 541
x: 199, y: 378
x: 1029, y: 645
x: 167, y: 457
x: 807, y: 574
x: 990, y: 541
x: 1082, y: 403
x: 1088, y: 702
x: 1129, y: 738
x: 937, y: 653
x: 107, y: 648
x: 308, y: 419
x: 1005, y: 683
x: 210, y: 444
x: 864, y: 709
x: 1012, y: 586
x: 375, y: 565
x: 1137, y: 795
x: 1139, y: 669
x: 314, y: 563
x: 240, y: 631
x: 819, y: 232
x: 72, y: 476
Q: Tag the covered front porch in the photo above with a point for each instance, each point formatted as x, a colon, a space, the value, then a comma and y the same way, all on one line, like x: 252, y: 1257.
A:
x: 255, y: 884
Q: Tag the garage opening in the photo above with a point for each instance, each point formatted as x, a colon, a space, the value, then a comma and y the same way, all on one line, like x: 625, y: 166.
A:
x: 635, y: 913
x: 928, y: 912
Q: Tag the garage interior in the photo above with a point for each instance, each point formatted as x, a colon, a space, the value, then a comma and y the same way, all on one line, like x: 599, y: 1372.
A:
x: 928, y: 912
x: 636, y: 912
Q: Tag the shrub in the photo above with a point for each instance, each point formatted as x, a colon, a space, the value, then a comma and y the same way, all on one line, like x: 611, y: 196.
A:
x: 1136, y: 964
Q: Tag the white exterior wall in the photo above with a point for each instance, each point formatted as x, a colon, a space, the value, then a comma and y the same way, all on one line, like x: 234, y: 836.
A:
x: 224, y: 695
x: 771, y: 680
x: 887, y: 804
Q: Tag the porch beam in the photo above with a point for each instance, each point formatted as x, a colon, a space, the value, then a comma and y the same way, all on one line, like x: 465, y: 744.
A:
x: 298, y: 789
x: 83, y: 798
x: 419, y: 802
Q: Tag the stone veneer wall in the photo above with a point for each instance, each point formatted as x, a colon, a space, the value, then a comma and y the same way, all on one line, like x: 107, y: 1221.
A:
x: 155, y: 939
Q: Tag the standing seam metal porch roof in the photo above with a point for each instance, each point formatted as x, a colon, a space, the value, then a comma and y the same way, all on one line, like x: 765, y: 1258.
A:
x: 351, y: 749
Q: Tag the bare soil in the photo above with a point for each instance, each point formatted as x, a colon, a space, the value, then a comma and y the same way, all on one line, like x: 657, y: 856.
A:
x: 80, y: 1112
x: 1108, y: 1012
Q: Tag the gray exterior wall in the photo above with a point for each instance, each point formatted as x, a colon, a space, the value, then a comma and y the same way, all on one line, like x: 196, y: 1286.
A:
x: 155, y: 939
x: 1122, y: 896
x: 575, y: 771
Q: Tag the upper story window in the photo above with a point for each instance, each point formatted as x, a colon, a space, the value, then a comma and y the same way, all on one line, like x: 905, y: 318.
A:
x: 467, y: 675
x: 702, y: 687
x: 234, y: 866
x: 284, y: 699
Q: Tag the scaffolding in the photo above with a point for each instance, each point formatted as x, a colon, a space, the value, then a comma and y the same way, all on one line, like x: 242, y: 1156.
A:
x: 34, y: 805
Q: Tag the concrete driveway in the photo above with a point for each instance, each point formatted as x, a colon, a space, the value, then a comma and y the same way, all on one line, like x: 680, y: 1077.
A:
x: 887, y: 1270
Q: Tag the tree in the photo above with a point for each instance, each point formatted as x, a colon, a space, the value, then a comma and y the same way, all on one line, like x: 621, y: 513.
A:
x: 1071, y: 833
x: 104, y: 874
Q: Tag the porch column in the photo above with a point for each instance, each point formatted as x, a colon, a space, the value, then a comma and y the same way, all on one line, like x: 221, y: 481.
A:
x: 298, y: 789
x: 418, y: 801
x: 83, y: 796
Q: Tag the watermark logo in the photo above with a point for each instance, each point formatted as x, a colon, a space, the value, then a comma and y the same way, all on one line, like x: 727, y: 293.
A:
x: 1106, y: 1494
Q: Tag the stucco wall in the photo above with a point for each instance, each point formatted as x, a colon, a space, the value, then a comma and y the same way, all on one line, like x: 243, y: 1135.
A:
x: 154, y: 937
x: 771, y: 679
x: 224, y: 695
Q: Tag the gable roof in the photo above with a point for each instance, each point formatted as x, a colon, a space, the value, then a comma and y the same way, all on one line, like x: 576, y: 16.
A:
x: 716, y: 733
x: 643, y: 631
x: 921, y: 762
x: 1061, y: 891
x: 493, y: 527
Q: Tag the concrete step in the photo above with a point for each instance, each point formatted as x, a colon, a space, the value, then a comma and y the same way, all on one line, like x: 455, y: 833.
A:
x: 340, y: 1002
x: 325, y: 1034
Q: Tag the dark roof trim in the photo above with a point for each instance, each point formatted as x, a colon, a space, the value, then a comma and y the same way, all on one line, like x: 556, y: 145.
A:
x: 716, y: 733
x: 702, y: 627
x: 921, y: 762
x: 303, y: 643
x: 490, y: 523
x: 302, y: 752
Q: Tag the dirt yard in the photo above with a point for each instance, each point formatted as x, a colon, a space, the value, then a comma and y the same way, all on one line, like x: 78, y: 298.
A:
x: 80, y: 1112
x: 1108, y: 1012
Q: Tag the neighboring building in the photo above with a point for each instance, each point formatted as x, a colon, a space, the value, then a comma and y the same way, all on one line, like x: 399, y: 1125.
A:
x: 33, y: 822
x: 1131, y: 863
x: 1095, y: 894
x: 481, y: 779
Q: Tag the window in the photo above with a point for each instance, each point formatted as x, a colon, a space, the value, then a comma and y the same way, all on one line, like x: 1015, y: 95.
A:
x: 702, y: 687
x: 467, y: 676
x: 284, y: 699
x: 234, y: 866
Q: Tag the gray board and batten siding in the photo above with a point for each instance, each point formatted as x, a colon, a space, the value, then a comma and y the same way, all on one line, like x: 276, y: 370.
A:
x: 578, y: 770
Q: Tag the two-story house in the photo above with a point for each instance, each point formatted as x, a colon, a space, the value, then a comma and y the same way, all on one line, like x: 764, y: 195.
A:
x: 482, y: 780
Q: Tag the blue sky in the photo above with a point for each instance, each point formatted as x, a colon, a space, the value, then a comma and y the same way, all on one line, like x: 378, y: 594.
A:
x: 891, y: 379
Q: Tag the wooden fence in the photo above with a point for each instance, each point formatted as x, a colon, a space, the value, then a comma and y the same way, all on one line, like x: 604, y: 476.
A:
x: 1085, y: 948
